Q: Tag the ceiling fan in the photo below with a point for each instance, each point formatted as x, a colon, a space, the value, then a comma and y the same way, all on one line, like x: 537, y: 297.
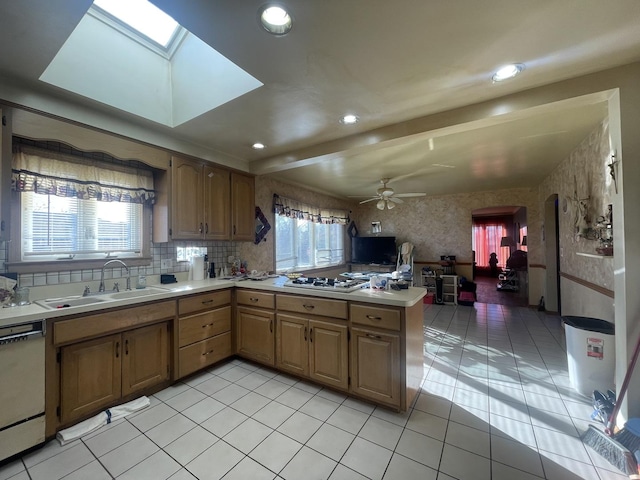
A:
x: 386, y: 197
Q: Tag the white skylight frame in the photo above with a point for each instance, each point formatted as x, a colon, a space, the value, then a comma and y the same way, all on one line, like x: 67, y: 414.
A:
x: 121, y: 23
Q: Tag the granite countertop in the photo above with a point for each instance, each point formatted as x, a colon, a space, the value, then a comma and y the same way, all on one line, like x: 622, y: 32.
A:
x: 34, y: 311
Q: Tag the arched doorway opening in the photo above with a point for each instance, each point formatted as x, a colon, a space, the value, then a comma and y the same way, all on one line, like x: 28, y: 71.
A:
x: 499, y: 243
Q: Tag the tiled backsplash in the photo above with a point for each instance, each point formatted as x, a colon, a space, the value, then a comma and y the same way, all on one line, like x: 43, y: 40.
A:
x: 218, y: 252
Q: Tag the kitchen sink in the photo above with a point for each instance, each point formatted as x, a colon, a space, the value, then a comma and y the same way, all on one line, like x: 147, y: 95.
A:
x: 67, y: 302
x: 143, y: 292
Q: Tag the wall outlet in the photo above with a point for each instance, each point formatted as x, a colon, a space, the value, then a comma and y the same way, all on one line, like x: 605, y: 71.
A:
x: 166, y: 263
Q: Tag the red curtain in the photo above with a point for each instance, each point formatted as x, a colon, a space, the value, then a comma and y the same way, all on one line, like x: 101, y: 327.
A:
x: 486, y: 240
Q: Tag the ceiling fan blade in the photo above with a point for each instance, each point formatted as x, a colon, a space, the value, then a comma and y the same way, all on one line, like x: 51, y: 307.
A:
x: 394, y: 200
x: 369, y: 200
x: 408, y: 195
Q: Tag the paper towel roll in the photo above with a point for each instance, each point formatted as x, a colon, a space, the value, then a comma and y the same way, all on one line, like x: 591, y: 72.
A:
x: 197, y: 264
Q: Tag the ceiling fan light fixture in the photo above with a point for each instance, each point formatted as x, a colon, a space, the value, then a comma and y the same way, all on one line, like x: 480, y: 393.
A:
x: 275, y: 19
x: 390, y: 205
x: 380, y: 204
x: 507, y: 71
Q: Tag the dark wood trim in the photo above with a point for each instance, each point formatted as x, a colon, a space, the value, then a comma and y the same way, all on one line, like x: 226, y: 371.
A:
x: 437, y: 262
x: 592, y: 286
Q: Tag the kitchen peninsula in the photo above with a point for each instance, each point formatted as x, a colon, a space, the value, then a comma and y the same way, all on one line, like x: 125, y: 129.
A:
x: 365, y: 343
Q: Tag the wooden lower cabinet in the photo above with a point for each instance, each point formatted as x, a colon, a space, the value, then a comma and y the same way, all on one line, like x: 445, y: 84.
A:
x: 375, y: 366
x: 313, y: 348
x: 204, y: 331
x: 292, y: 346
x: 328, y: 354
x: 145, y: 359
x: 255, y: 334
x: 96, y: 373
x: 90, y: 376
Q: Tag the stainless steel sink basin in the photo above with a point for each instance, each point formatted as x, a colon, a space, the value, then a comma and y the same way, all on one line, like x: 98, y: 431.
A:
x: 136, y: 293
x: 68, y: 302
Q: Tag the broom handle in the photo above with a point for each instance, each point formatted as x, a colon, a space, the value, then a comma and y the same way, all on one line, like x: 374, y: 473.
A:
x: 623, y: 390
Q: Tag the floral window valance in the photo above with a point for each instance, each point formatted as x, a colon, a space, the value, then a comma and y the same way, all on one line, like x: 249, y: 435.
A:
x: 294, y: 209
x: 51, y: 173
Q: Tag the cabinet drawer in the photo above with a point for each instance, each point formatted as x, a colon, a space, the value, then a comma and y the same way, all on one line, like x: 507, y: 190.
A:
x: 312, y: 305
x: 202, y: 354
x: 204, y: 325
x: 255, y: 299
x: 204, y: 301
x: 66, y: 331
x: 375, y: 316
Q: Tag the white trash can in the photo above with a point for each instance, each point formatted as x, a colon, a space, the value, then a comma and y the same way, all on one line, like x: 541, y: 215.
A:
x: 591, y: 354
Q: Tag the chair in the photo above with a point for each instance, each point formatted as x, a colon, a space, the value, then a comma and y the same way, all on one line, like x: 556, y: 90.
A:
x: 404, y: 265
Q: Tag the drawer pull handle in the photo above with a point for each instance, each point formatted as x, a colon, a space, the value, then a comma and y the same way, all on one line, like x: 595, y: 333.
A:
x: 271, y: 326
x: 373, y: 317
x: 204, y: 302
x: 308, y: 307
x: 305, y: 334
x: 207, y: 353
x: 200, y: 229
x: 253, y: 299
x: 117, y: 349
x: 374, y: 336
x: 207, y: 325
x: 126, y: 347
x: 311, y: 334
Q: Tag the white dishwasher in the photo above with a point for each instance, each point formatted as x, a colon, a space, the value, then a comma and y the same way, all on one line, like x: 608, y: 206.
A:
x: 22, y: 419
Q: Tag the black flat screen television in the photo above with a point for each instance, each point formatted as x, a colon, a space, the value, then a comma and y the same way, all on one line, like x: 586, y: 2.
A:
x: 378, y: 250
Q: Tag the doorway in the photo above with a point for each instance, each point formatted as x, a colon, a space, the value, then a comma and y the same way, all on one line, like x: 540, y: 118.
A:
x: 499, y: 243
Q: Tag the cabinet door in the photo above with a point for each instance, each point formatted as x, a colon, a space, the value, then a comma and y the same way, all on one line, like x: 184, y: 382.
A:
x: 375, y: 365
x: 243, y: 209
x: 90, y: 376
x: 187, y: 202
x: 145, y: 359
x: 292, y: 350
x: 254, y: 335
x: 328, y: 352
x: 217, y: 204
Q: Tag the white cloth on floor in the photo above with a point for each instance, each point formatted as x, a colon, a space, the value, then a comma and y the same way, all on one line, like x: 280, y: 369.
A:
x: 103, y: 418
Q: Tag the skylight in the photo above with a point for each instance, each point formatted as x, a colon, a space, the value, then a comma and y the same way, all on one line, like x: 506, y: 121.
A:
x: 144, y: 17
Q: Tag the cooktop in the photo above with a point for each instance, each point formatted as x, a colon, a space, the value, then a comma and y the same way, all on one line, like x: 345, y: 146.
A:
x: 318, y: 283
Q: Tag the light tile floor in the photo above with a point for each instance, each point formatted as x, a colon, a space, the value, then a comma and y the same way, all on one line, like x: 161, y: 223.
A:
x: 495, y: 404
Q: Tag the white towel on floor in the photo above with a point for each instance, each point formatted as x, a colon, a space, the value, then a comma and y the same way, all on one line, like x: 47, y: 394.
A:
x: 103, y: 418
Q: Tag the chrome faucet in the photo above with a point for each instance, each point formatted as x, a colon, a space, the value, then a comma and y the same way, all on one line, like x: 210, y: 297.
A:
x: 101, y: 287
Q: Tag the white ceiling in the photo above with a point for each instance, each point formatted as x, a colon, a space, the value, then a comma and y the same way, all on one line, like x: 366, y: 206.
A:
x: 388, y: 62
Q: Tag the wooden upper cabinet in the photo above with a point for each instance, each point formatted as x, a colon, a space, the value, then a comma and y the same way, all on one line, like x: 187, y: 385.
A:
x: 187, y: 199
x: 217, y: 197
x: 243, y: 207
x: 210, y: 202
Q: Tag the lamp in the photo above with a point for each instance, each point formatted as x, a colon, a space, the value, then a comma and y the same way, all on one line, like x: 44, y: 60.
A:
x: 507, y: 242
x: 380, y: 204
x: 524, y: 241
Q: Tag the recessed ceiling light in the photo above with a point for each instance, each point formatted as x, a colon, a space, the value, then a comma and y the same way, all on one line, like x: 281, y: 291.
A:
x: 275, y: 19
x: 349, y: 119
x: 258, y: 146
x: 507, y: 72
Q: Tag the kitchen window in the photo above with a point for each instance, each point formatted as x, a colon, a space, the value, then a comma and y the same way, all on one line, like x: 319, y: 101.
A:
x: 74, y: 208
x: 307, y: 237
